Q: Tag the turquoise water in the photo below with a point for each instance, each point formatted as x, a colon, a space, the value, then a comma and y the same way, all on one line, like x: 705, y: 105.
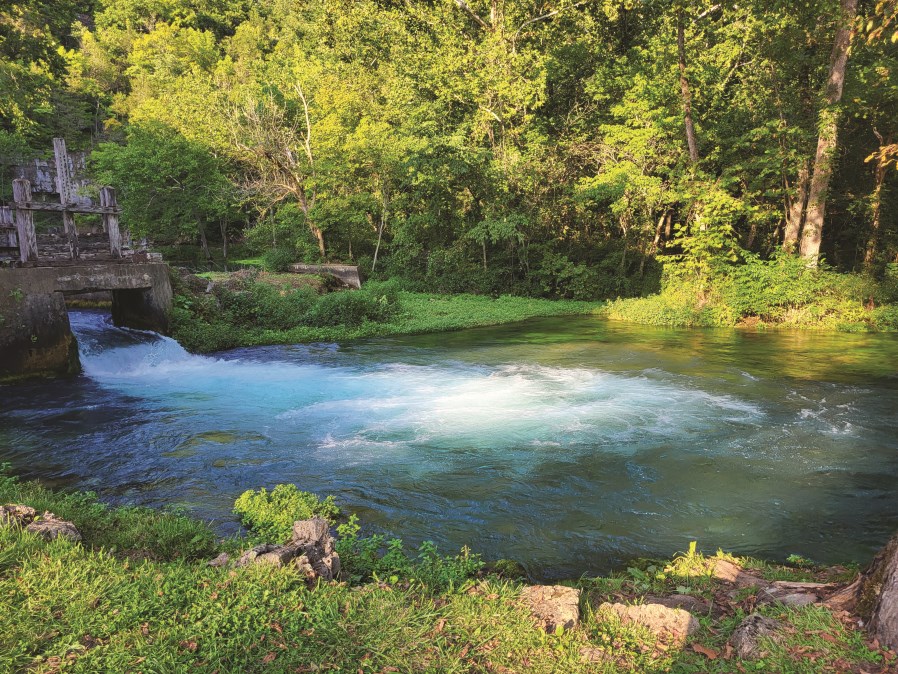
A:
x: 571, y: 445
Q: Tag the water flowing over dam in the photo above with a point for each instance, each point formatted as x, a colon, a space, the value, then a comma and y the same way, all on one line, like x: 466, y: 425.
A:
x: 570, y: 445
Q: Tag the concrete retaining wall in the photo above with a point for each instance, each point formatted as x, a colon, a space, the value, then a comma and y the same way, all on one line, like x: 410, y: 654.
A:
x: 349, y: 274
x: 35, y: 335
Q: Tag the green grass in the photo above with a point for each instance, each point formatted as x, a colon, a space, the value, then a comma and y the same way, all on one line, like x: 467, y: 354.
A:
x: 204, y: 324
x: 759, y: 294
x: 94, y: 607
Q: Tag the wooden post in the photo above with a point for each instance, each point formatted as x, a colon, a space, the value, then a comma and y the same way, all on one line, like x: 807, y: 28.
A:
x: 110, y: 220
x: 66, y: 194
x: 7, y: 228
x: 21, y: 194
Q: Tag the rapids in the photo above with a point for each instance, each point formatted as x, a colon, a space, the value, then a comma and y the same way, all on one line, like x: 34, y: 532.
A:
x: 570, y: 445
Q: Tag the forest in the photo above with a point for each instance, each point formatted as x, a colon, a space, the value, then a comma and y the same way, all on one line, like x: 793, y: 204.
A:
x: 584, y: 150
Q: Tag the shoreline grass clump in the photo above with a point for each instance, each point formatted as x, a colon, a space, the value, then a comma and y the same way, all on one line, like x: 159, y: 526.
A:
x: 94, y: 606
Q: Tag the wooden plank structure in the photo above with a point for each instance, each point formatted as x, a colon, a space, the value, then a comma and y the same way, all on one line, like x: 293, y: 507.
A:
x: 8, y: 238
x: 69, y: 248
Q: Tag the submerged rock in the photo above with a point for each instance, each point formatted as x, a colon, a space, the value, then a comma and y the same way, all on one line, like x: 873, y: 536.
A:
x: 49, y: 527
x: 672, y: 625
x: 554, y: 606
x: 746, y: 640
x: 14, y: 514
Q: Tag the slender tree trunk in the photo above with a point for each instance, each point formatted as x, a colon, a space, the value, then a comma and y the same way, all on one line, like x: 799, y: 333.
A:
x: 623, y: 257
x: 876, y: 220
x: 684, y: 89
x: 204, y: 242
x: 796, y: 209
x: 319, y: 236
x: 484, y: 253
x: 752, y: 235
x: 380, y: 233
x: 827, y: 141
x: 385, y: 201
x: 223, y: 226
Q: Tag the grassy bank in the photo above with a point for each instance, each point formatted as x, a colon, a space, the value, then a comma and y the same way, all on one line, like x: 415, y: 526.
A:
x: 136, y: 596
x: 287, y: 309
x: 780, y: 292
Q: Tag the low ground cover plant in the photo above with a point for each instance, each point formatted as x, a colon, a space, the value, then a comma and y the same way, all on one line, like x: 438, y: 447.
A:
x: 96, y: 606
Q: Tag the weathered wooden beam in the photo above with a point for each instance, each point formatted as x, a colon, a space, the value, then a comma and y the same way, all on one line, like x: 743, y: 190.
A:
x: 110, y: 220
x: 8, y: 237
x: 66, y: 193
x: 60, y: 208
x: 21, y: 193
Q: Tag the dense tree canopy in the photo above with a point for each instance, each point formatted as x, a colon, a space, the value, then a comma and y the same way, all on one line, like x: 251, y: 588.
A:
x: 548, y: 147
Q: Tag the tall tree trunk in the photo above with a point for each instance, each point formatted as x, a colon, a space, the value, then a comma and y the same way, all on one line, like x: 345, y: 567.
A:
x: 795, y: 211
x: 380, y: 233
x: 205, y: 243
x: 223, y: 227
x: 876, y: 219
x: 684, y: 89
x: 827, y: 142
x: 384, y: 205
x: 319, y: 236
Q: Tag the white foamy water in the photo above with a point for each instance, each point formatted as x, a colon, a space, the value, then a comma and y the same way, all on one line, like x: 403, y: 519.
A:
x: 569, y: 453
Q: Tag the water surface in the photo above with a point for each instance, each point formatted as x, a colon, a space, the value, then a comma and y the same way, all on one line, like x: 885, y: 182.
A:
x: 568, y: 444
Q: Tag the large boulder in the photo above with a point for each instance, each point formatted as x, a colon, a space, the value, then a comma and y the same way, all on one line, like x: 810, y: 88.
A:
x: 671, y: 625
x: 553, y: 606
x: 49, y: 527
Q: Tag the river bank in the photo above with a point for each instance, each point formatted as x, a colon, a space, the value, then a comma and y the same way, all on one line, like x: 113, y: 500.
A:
x: 137, y: 594
x: 252, y: 309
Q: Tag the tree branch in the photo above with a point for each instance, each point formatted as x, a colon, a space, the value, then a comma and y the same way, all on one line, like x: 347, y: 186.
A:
x: 464, y: 5
x: 707, y: 12
x: 545, y: 16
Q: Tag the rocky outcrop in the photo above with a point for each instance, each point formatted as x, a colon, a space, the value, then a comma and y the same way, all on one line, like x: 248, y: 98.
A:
x: 312, y: 538
x: 49, y: 527
x: 553, y: 606
x: 683, y: 601
x: 671, y: 625
x: 311, y: 550
x: 747, y: 639
x: 779, y: 591
x: 13, y: 514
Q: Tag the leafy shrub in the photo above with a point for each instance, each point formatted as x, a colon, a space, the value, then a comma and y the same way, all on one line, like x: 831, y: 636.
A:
x: 270, y: 515
x: 364, y: 558
x: 376, y: 302
x: 278, y: 259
